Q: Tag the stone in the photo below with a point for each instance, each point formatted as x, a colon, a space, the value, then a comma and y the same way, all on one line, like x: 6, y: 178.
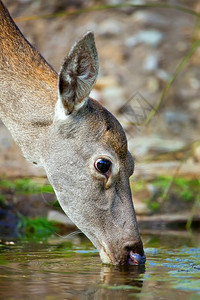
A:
x: 147, y: 18
x: 143, y: 146
x: 195, y: 104
x: 152, y: 84
x: 140, y: 207
x: 152, y: 189
x: 56, y: 216
x: 115, y: 2
x: 96, y: 95
x: 106, y: 81
x: 162, y: 75
x: 24, y: 1
x: 136, y: 2
x: 196, y: 151
x: 194, y: 83
x: 113, y: 97
x: 12, y: 162
x: 175, y: 116
x: 150, y: 37
x: 150, y: 63
x: 110, y: 27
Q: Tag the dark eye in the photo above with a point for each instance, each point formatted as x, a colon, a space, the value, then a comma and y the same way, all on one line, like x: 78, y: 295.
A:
x: 103, y: 165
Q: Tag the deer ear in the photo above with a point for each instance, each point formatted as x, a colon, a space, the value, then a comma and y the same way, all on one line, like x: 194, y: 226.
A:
x: 78, y: 74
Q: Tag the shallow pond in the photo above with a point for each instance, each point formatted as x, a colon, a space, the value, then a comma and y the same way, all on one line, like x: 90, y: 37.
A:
x: 71, y: 269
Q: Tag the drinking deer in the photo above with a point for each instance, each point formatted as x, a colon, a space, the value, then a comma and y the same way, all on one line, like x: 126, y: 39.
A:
x: 80, y: 144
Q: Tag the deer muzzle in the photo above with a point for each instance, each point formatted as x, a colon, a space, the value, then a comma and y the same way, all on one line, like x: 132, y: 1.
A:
x: 130, y: 254
x: 134, y: 254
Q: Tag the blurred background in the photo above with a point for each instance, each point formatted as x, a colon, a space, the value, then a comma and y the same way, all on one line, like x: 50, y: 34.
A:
x: 149, y: 58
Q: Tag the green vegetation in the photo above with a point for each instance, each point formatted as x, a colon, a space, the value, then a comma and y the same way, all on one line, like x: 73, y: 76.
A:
x: 25, y: 186
x: 2, y: 200
x: 37, y: 228
x: 179, y: 189
x: 29, y: 228
x: 186, y: 189
x: 138, y: 186
x: 167, y: 193
x: 153, y: 206
x: 164, y: 194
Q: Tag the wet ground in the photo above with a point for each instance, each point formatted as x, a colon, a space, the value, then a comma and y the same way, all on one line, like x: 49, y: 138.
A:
x: 71, y: 269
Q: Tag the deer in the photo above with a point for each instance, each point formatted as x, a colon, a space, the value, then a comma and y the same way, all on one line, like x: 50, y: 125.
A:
x: 81, y: 145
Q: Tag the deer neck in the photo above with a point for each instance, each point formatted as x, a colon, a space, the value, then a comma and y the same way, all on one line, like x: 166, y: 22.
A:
x: 28, y: 88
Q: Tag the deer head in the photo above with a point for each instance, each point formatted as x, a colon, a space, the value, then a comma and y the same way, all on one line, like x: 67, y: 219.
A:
x: 81, y: 145
x: 88, y: 164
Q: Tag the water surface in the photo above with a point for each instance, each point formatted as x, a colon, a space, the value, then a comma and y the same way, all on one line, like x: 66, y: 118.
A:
x: 71, y: 269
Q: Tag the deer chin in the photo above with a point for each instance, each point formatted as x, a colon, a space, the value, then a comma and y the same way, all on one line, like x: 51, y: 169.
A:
x: 105, y: 258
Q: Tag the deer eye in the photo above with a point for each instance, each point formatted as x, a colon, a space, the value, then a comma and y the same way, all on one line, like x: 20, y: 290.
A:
x: 103, y: 165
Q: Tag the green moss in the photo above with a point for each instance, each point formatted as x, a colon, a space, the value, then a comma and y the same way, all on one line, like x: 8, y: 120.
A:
x: 162, y: 181
x: 137, y: 186
x: 36, y: 228
x: 153, y: 206
x: 25, y: 186
x: 2, y: 200
x: 186, y: 189
x: 167, y: 193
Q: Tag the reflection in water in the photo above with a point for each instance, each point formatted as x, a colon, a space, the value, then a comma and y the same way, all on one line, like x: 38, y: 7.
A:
x: 60, y: 273
x: 120, y: 279
x: 72, y: 270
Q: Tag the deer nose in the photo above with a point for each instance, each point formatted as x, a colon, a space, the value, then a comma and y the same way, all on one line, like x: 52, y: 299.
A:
x: 134, y: 253
x: 136, y: 259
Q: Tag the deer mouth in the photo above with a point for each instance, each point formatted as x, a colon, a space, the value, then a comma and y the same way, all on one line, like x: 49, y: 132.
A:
x: 135, y: 258
x: 134, y: 253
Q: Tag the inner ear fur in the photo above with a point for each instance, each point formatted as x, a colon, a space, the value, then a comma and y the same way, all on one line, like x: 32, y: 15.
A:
x: 78, y: 73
